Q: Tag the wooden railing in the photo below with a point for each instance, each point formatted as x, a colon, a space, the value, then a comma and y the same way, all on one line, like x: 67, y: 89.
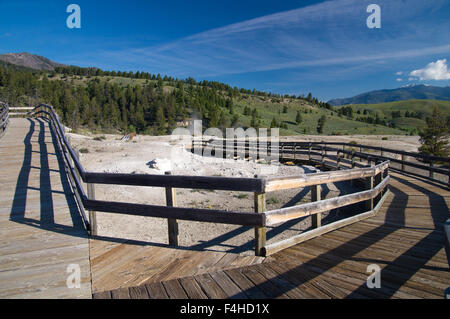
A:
x: 4, y: 117
x: 77, y: 175
x: 340, y: 152
x: 376, y: 182
x: 376, y: 179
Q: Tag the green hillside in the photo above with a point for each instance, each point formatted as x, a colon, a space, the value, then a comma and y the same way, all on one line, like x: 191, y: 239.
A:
x: 407, y: 115
x: 267, y: 108
x: 109, y: 101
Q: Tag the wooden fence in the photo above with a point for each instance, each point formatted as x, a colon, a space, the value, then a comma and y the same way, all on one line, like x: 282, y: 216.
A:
x: 336, y: 151
x: 376, y: 182
x: 4, y: 117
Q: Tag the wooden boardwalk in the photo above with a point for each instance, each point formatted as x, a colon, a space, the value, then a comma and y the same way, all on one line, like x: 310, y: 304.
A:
x: 41, y: 232
x: 120, y: 263
x: 405, y: 239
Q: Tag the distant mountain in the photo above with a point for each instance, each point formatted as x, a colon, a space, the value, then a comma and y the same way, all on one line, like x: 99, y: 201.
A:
x: 410, y: 92
x: 30, y: 61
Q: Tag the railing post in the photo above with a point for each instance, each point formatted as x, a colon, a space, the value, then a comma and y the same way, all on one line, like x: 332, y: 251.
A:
x: 369, y: 186
x: 448, y: 172
x: 295, y: 150
x: 338, y: 160
x: 378, y: 180
x: 431, y: 173
x: 353, y: 159
x: 316, y: 191
x: 92, y: 214
x: 171, y: 201
x: 260, y: 232
x: 309, y: 152
x: 403, y: 164
x: 322, y: 158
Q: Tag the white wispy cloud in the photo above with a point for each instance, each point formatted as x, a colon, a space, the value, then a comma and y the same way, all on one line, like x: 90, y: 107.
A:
x: 433, y: 71
x: 328, y: 33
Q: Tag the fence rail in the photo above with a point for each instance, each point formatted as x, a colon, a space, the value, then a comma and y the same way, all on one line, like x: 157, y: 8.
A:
x: 294, y: 149
x: 4, y: 117
x: 376, y: 180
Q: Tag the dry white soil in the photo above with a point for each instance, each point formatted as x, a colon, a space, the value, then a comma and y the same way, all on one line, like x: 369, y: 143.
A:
x: 113, y: 155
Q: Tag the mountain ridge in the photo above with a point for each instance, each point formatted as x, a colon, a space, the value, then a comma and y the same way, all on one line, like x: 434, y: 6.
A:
x: 31, y: 61
x: 410, y: 92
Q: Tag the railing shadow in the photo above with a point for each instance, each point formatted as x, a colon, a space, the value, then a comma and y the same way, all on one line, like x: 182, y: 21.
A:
x: 342, y: 187
x: 46, y: 219
x: 421, y: 248
x: 346, y: 251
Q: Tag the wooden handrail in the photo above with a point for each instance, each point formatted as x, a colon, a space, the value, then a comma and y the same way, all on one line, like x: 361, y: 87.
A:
x: 292, y: 148
x: 288, y: 182
x: 258, y: 185
x: 376, y: 148
x: 289, y: 213
x: 4, y: 117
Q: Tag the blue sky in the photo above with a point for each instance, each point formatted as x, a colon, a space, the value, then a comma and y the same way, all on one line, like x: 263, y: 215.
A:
x: 294, y: 47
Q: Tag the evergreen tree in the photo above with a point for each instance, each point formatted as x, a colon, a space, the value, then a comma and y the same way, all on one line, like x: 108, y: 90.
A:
x: 434, y: 138
x: 298, y: 118
x: 274, y: 123
x: 321, y: 124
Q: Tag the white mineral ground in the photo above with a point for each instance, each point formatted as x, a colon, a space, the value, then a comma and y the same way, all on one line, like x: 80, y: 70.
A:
x: 113, y: 155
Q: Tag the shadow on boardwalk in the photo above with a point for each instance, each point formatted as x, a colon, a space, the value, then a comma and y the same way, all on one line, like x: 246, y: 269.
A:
x: 396, y: 272
x: 46, y: 219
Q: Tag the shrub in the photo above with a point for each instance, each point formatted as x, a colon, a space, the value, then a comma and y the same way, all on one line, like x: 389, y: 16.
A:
x: 83, y: 150
x: 99, y: 138
x: 273, y: 200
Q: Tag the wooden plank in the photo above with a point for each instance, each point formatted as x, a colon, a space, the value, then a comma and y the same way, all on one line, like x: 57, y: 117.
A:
x: 260, y: 232
x: 304, y: 180
x: 300, y: 279
x: 102, y: 295
x: 172, y: 224
x: 228, y: 286
x: 92, y: 213
x: 121, y: 293
x: 290, y: 289
x: 177, y: 181
x: 210, y: 287
x: 192, y: 288
x: 156, y: 290
x: 289, y: 213
x: 174, y: 289
x: 264, y: 284
x: 193, y: 214
x: 246, y: 286
x: 139, y: 292
x: 316, y: 195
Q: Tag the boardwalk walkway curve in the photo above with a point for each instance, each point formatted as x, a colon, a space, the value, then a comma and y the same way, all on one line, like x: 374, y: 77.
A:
x: 43, y: 234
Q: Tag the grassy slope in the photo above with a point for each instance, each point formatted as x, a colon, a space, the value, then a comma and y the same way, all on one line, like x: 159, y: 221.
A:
x: 269, y: 109
x: 334, y: 124
x: 385, y: 110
